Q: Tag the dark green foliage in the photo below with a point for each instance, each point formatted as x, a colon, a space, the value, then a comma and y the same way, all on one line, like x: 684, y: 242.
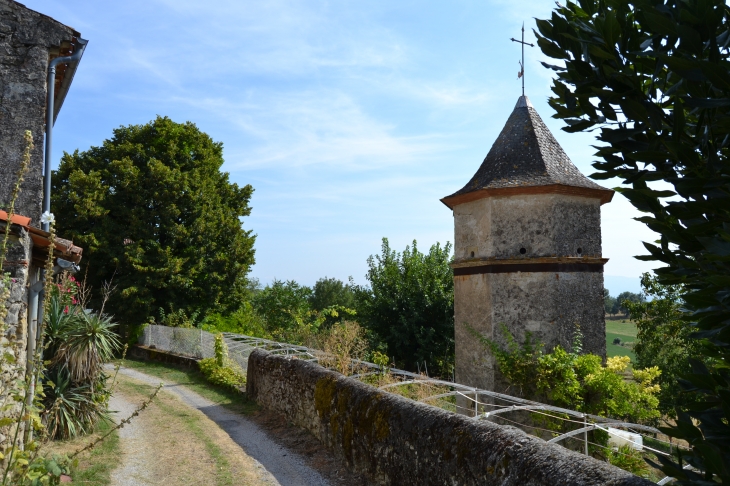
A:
x: 608, y: 302
x: 654, y: 75
x: 153, y: 212
x: 663, y: 340
x: 328, y: 292
x: 410, y: 305
x: 620, y: 306
x: 283, y: 306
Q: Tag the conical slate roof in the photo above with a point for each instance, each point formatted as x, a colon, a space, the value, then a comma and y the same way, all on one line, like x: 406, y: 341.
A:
x: 526, y: 155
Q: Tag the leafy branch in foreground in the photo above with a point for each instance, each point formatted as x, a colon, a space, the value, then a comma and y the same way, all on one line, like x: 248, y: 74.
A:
x: 654, y: 76
x: 121, y: 424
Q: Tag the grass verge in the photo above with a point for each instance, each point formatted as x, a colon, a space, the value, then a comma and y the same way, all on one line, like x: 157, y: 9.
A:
x: 191, y: 423
x: 194, y: 380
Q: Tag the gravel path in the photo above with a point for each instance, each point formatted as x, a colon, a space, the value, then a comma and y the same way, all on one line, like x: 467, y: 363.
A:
x: 279, y: 465
x: 133, y: 470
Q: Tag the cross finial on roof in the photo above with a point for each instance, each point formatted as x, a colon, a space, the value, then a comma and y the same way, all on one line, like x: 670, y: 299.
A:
x: 521, y: 74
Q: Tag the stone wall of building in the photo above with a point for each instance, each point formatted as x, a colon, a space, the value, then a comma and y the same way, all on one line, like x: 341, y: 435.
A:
x: 549, y: 305
x: 534, y: 229
x: 27, y: 39
x: 396, y: 441
x: 14, y: 330
x: 545, y: 225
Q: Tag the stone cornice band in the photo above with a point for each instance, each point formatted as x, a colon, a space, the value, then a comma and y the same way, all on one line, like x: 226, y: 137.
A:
x: 604, y: 195
x: 545, y: 264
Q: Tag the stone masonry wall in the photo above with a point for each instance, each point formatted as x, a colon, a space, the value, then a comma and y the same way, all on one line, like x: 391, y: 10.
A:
x: 549, y: 305
x: 14, y: 331
x: 26, y: 40
x: 395, y: 441
x: 546, y: 225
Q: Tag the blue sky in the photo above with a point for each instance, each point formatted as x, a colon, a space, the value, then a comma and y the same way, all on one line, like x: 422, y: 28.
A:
x: 350, y: 119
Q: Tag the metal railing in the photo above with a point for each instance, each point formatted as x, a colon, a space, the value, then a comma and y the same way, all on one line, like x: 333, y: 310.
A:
x: 474, y: 402
x: 196, y: 343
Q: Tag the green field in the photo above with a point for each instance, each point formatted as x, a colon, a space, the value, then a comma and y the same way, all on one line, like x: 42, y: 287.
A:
x: 626, y: 331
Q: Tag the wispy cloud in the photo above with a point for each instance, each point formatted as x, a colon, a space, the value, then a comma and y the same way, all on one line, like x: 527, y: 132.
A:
x: 323, y: 128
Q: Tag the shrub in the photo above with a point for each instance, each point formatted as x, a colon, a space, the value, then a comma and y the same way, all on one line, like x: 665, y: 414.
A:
x: 409, y: 306
x: 220, y: 370
x: 178, y: 318
x: 340, y: 345
x: 79, y: 344
x: 229, y: 376
x: 73, y: 409
x: 244, y: 320
x: 629, y: 459
x: 578, y: 381
x: 663, y: 340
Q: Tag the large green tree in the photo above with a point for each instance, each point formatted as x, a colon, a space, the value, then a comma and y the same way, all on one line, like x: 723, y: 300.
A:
x: 157, y: 217
x: 410, y: 305
x: 624, y: 297
x: 654, y: 77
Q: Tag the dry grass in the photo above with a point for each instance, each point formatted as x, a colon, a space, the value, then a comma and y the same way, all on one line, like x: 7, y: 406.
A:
x: 419, y: 391
x: 340, y: 345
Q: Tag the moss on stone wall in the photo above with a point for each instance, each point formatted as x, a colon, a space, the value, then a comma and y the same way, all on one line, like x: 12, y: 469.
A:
x: 396, y: 441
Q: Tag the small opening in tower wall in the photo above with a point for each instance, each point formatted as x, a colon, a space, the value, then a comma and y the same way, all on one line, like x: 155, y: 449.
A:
x: 580, y: 250
x: 523, y: 250
x: 472, y: 254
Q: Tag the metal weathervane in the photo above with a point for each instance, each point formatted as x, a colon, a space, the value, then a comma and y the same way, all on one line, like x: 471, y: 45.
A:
x: 521, y: 74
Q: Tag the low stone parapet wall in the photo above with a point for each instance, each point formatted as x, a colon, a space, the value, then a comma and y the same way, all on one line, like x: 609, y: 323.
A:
x: 151, y: 354
x: 396, y: 441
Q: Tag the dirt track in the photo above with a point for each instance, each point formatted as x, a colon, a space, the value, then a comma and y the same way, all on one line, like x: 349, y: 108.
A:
x: 252, y: 454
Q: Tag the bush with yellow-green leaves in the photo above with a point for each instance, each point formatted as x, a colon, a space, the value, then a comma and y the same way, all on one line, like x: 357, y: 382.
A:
x: 220, y: 370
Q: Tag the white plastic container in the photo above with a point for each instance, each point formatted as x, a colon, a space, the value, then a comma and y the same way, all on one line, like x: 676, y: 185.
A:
x: 618, y: 438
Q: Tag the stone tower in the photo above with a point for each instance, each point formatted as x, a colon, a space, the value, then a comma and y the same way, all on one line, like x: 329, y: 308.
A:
x: 527, y: 249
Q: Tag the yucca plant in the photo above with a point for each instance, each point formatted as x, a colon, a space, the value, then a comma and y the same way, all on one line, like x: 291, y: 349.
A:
x: 87, y: 342
x: 56, y: 320
x: 74, y: 410
x: 78, y: 343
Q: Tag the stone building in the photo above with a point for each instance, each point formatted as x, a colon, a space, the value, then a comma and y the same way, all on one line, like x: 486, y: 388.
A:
x: 527, y: 249
x: 28, y: 42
